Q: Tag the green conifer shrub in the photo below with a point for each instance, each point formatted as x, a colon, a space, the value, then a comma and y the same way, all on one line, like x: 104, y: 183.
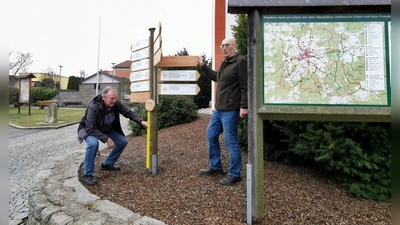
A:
x: 42, y: 93
x: 357, y: 154
x: 172, y: 110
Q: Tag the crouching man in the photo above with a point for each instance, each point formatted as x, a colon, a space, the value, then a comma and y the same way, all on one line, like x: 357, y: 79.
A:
x: 101, y: 123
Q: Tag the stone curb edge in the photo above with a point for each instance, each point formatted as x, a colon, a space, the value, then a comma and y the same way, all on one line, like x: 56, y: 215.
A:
x: 57, y: 197
x: 44, y: 127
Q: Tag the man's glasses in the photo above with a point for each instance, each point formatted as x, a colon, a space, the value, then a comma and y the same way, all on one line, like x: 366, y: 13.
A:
x: 225, y: 45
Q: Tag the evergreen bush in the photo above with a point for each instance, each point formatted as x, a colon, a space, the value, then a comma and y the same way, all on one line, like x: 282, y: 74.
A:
x: 357, y: 154
x: 243, y: 134
x: 41, y: 93
x: 73, y: 83
x: 13, y: 96
x: 172, y: 110
x: 203, y: 98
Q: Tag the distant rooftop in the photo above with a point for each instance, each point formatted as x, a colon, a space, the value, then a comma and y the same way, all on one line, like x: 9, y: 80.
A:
x: 125, y: 64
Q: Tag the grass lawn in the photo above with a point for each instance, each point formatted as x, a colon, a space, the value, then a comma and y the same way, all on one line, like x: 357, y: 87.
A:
x: 38, y: 117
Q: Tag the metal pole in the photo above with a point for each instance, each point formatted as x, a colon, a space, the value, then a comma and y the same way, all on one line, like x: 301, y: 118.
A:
x: 59, y: 88
x: 113, y: 73
x: 249, y: 196
x: 98, y: 60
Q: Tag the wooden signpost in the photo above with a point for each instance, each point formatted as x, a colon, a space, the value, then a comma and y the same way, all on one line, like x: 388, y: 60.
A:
x: 147, y: 84
x: 140, y: 75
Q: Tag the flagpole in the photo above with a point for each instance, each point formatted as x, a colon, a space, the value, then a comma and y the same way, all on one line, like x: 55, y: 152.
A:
x: 98, y: 60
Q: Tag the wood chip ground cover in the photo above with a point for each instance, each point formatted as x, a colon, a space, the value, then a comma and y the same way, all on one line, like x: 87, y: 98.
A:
x: 179, y: 195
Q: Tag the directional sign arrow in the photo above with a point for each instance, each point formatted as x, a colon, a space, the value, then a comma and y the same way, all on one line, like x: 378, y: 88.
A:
x: 178, y: 75
x: 157, y: 56
x: 178, y: 61
x: 178, y: 89
x: 140, y: 86
x: 140, y: 44
x: 140, y: 75
x: 157, y: 43
x: 140, y: 54
x: 140, y: 65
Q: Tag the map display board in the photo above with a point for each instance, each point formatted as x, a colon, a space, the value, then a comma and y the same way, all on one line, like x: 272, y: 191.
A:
x: 327, y: 59
x: 24, y: 89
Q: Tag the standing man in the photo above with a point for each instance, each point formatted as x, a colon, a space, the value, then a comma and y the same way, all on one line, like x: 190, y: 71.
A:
x: 230, y: 104
x: 101, y: 122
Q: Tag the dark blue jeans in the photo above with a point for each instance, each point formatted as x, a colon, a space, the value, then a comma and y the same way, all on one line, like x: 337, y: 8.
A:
x: 120, y: 142
x: 226, y: 122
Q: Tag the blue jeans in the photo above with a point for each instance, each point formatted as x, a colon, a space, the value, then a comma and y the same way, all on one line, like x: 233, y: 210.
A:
x: 93, y: 146
x: 226, y: 122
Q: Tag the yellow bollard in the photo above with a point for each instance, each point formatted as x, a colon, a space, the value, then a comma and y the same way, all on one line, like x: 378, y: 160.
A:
x: 148, y: 156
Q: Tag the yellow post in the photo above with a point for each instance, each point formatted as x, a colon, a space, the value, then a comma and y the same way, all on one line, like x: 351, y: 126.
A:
x: 148, y: 155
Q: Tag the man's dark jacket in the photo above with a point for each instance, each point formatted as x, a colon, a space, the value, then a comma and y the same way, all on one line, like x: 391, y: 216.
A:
x: 94, y: 117
x: 232, y: 83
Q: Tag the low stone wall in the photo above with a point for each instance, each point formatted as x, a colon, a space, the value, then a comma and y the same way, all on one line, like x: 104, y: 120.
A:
x: 58, y: 198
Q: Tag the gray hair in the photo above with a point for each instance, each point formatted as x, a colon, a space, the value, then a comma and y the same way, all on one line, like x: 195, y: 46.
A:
x: 107, y: 89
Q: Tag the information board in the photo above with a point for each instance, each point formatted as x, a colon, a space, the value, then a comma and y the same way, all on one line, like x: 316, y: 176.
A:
x: 327, y: 59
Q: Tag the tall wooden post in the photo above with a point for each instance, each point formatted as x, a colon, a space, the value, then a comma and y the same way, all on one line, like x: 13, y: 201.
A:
x: 153, y: 96
x: 255, y: 123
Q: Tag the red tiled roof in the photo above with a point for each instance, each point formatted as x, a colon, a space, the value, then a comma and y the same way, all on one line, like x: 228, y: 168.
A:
x: 126, y: 64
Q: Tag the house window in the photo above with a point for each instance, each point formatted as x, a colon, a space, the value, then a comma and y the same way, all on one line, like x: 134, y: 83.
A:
x: 94, y: 87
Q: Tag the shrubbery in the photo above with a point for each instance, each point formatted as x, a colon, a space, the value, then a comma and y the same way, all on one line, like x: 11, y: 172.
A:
x: 37, y: 94
x: 172, y: 110
x: 41, y: 93
x: 73, y: 83
x: 13, y: 96
x: 357, y: 154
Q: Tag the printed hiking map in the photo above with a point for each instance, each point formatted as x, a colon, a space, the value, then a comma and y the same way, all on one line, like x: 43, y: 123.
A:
x: 326, y: 59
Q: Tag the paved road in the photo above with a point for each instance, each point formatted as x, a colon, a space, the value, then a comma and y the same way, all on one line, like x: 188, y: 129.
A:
x: 28, y: 151
x: 15, y: 132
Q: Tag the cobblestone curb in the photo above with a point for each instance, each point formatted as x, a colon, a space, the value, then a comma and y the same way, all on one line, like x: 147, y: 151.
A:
x: 57, y: 197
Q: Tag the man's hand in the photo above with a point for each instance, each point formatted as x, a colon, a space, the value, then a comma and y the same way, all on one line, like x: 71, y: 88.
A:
x: 200, y: 61
x: 144, y: 123
x: 110, y: 143
x: 243, y: 112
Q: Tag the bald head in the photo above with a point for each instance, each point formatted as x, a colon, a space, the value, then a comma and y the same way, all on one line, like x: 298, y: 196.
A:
x: 228, y: 47
x: 229, y: 40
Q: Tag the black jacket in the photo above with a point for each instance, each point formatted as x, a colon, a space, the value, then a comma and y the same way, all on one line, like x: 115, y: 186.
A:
x: 232, y: 83
x: 94, y: 117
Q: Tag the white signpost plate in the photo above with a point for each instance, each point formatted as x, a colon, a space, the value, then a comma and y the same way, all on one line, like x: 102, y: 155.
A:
x: 141, y: 54
x: 157, y: 43
x: 178, y: 89
x: 140, y: 44
x: 179, y: 75
x: 140, y: 86
x: 140, y: 65
x: 140, y: 75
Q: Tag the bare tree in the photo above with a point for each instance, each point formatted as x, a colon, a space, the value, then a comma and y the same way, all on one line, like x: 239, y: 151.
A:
x: 50, y: 78
x: 18, y: 61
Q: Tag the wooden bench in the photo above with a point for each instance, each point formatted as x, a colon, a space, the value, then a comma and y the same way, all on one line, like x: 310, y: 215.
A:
x: 70, y: 103
x: 42, y: 104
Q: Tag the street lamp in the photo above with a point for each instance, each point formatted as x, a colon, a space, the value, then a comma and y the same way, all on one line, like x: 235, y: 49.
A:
x: 112, y: 79
x: 59, y: 88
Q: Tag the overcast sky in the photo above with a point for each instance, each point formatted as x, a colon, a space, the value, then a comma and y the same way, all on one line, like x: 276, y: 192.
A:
x: 67, y: 32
